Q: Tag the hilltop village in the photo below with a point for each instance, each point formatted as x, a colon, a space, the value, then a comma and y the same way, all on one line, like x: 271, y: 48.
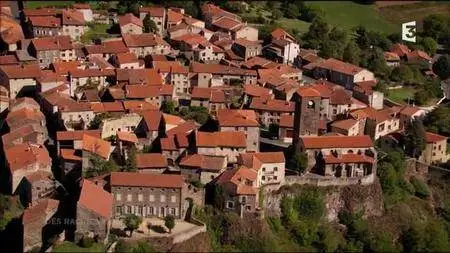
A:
x: 144, y: 123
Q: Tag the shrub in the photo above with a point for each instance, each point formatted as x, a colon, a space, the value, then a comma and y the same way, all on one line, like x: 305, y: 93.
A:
x: 420, y: 187
x: 87, y: 242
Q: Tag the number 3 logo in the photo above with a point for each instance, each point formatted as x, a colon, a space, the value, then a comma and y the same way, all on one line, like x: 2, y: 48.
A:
x: 409, y: 31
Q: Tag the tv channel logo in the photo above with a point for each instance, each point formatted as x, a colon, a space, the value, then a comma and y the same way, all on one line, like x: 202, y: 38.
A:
x: 409, y: 31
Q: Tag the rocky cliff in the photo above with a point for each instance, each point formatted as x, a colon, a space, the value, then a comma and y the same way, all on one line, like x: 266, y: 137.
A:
x: 367, y: 199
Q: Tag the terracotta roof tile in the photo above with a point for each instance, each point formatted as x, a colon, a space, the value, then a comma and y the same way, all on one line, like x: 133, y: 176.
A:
x: 127, y: 136
x: 344, y: 124
x: 108, y: 47
x: 94, y: 198
x: 143, y: 40
x: 220, y: 69
x: 77, y: 73
x: 371, y: 113
x: 76, y: 135
x: 21, y: 132
x: 272, y: 105
x: 116, y: 106
x: 25, y: 115
x: 152, y: 119
x: 257, y: 91
x: 154, y: 11
x: 8, y: 60
x: 65, y: 67
x: 21, y: 71
x: 348, y: 158
x: 146, y: 180
x: 287, y: 121
x: 433, y: 138
x: 45, y: 21
x: 40, y: 211
x: 142, y: 91
x: 130, y: 19
x: 212, y: 163
x: 361, y: 141
x: 52, y: 43
x: 70, y: 155
x: 256, y: 160
x: 183, y: 128
x: 390, y: 56
x: 128, y: 57
x: 150, y: 160
x: 221, y: 139
x: 418, y: 54
x: 96, y: 146
x: 170, y: 67
x: 22, y: 155
x: 400, y: 49
x: 229, y: 117
x: 340, y: 66
x: 139, y: 76
x: 41, y: 12
x: 174, y: 17
x: 132, y: 105
x: 40, y: 176
x: 409, y: 110
x: 72, y: 17
x: 227, y: 23
x: 238, y: 177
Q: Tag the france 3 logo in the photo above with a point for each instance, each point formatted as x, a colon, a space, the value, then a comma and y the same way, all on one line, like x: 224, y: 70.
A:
x: 409, y: 31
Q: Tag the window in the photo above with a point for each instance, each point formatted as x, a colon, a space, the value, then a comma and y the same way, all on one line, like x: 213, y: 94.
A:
x: 128, y: 209
x: 172, y: 211
x: 381, y: 127
x: 264, y: 169
x: 248, y: 207
x: 139, y: 210
x: 263, y: 178
x: 63, y: 55
x: 173, y: 199
x: 118, y: 197
x: 275, y: 169
x: 162, y: 198
x: 244, y: 199
x: 140, y: 198
x: 129, y: 197
x: 230, y: 204
x: 118, y: 210
x: 150, y: 210
x: 275, y: 178
x: 152, y: 198
x: 311, y: 104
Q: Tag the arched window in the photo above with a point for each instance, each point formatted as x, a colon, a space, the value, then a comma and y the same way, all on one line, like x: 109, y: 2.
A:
x: 311, y: 104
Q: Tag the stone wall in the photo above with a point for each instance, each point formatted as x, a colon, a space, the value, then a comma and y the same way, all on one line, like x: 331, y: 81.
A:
x: 324, y: 181
x: 201, y: 228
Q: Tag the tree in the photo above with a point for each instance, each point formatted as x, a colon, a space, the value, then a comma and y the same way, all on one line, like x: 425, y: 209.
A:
x: 434, y: 25
x: 291, y: 11
x: 131, y: 222
x: 317, y: 33
x: 169, y: 222
x: 415, y: 138
x: 130, y: 163
x: 388, y: 177
x: 98, y: 119
x: 149, y: 25
x: 351, y: 53
x: 438, y: 120
x: 429, y: 45
x: 402, y: 74
x: 168, y: 107
x: 276, y: 13
x: 142, y: 247
x: 299, y: 162
x: 442, y: 67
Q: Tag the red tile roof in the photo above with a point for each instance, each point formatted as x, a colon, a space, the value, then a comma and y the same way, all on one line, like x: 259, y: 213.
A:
x: 72, y: 17
x: 150, y: 160
x: 221, y: 139
x: 108, y: 47
x: 70, y: 155
x: 409, y: 110
x: 40, y: 211
x: 257, y: 91
x: 154, y: 11
x: 256, y: 160
x: 214, y: 163
x: 45, y: 21
x: 211, y: 94
x: 196, y: 67
x: 152, y: 119
x: 77, y: 73
x: 280, y: 34
x: 418, y: 54
x: 41, y: 12
x: 10, y: 31
x: 238, y: 177
x: 340, y: 66
x: 94, y: 198
x: 52, y: 43
x: 229, y: 117
x: 142, y: 91
x: 135, y: 105
x: 183, y: 128
x: 19, y: 117
x: 143, y: 40
x: 128, y: 57
x: 433, y: 138
x: 174, y: 17
x: 96, y: 146
x: 146, y: 180
x: 127, y: 136
x: 65, y: 67
x: 371, y: 113
x: 170, y: 67
x: 22, y: 155
x: 287, y: 121
x: 400, y: 49
x: 227, y: 23
x: 348, y: 158
x: 22, y: 132
x: 130, y: 19
x: 139, y: 76
x: 8, y: 60
x: 272, y: 105
x: 389, y: 56
x: 361, y: 141
x: 307, y: 91
x: 81, y: 6
x: 115, y: 106
x: 21, y: 71
x: 345, y: 124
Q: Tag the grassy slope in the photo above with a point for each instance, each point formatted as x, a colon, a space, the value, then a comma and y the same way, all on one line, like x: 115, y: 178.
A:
x: 401, y: 95
x: 37, y: 4
x: 349, y: 14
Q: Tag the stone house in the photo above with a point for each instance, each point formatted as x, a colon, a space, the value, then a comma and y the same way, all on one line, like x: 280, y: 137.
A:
x: 107, y: 48
x: 255, y: 91
x: 342, y: 73
x: 240, y: 187
x: 348, y: 127
x: 435, y: 149
x: 269, y: 111
x: 130, y: 24
x: 38, y: 159
x: 409, y: 113
x: 241, y: 120
x: 94, y: 212
x: 339, y: 156
x: 11, y: 33
x: 150, y: 127
x: 80, y: 79
x: 176, y: 142
x: 52, y: 49
x: 376, y: 123
x: 76, y: 115
x: 19, y: 79
x: 44, y: 26
x: 213, y: 99
x: 246, y: 48
x: 175, y: 74
x: 35, y: 220
x: 364, y: 92
x: 283, y: 47
x: 71, y: 161
x: 126, y: 123
x: 196, y: 47
x: 147, y: 93
x: 202, y: 168
x: 157, y: 14
x: 215, y: 74
x: 94, y: 148
x: 147, y: 195
x: 211, y: 13
x: 125, y: 142
x: 73, y: 24
x: 270, y: 166
x: 235, y: 28
x: 127, y: 61
x: 36, y: 186
x: 23, y: 117
x: 286, y: 128
x: 151, y: 163
x: 146, y: 44
x: 224, y: 144
x: 31, y: 133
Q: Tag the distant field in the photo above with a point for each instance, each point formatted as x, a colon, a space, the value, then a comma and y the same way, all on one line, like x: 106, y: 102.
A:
x: 350, y: 14
x: 397, y: 14
x: 401, y: 95
x: 300, y: 25
x: 42, y: 4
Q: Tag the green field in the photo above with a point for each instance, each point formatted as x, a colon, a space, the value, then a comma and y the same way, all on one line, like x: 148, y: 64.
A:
x: 42, y: 4
x: 401, y: 95
x: 288, y: 23
x: 349, y: 14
